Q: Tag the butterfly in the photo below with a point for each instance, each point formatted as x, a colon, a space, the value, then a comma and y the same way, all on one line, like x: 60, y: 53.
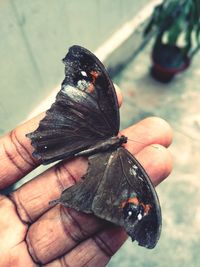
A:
x: 84, y: 121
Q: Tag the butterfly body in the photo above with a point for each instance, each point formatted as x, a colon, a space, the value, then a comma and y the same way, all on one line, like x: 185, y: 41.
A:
x: 109, y: 144
x: 84, y: 121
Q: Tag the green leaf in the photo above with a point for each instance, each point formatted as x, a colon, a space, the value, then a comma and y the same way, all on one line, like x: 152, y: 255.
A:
x: 173, y: 18
x: 174, y: 33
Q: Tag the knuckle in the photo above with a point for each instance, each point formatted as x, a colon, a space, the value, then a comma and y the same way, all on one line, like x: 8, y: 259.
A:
x: 103, y: 246
x: 63, y: 262
x: 16, y: 153
x: 31, y: 250
x: 20, y: 209
x: 20, y: 150
x: 63, y: 176
x: 71, y: 225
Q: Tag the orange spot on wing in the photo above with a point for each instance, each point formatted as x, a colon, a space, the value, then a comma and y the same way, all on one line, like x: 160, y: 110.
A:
x: 147, y: 208
x: 95, y: 75
x: 91, y: 88
x: 122, y: 205
x: 133, y: 200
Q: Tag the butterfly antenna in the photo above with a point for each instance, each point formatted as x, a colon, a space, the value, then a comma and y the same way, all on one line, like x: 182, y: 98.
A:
x: 154, y: 146
x: 179, y: 130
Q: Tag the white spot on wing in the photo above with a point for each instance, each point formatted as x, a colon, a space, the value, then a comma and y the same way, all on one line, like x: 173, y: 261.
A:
x: 82, y: 84
x: 129, y: 213
x: 139, y: 177
x: 84, y: 73
x: 133, y: 170
x: 139, y: 216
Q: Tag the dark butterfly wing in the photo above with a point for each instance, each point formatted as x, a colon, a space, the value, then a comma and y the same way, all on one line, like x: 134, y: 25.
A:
x: 81, y: 195
x: 112, y: 179
x: 85, y: 110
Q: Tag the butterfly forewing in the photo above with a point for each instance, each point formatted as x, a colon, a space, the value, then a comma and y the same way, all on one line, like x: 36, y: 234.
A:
x: 85, y: 110
x: 84, y: 70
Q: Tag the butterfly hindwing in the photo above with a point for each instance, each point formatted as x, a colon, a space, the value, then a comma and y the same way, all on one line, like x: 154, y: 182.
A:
x: 85, y: 110
x: 81, y: 195
x: 114, y: 179
x: 147, y: 230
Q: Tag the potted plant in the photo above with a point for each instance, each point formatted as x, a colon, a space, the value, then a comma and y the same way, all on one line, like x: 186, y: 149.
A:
x: 176, y: 24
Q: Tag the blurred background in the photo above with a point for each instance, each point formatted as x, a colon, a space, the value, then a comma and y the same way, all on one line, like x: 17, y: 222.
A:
x: 35, y: 36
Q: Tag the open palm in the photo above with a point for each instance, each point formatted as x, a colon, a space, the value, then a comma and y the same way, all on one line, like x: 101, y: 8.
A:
x: 32, y: 233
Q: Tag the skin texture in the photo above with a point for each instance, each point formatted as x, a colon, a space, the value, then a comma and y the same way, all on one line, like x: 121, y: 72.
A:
x: 33, y: 233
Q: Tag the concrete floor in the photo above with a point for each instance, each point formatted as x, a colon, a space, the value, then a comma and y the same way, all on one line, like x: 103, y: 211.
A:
x: 178, y: 102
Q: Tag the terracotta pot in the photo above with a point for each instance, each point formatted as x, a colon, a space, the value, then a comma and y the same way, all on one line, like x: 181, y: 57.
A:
x: 167, y: 62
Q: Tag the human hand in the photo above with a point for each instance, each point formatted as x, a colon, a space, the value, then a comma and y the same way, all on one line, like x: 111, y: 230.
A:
x: 33, y: 234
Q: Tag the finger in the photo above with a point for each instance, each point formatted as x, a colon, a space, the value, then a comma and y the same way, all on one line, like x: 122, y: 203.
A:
x: 95, y: 251
x: 147, y: 132
x: 16, y: 158
x: 157, y: 161
x: 12, y: 231
x: 53, y: 234
x: 119, y: 94
x: 16, y: 153
x: 58, y: 231
x: 32, y: 199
